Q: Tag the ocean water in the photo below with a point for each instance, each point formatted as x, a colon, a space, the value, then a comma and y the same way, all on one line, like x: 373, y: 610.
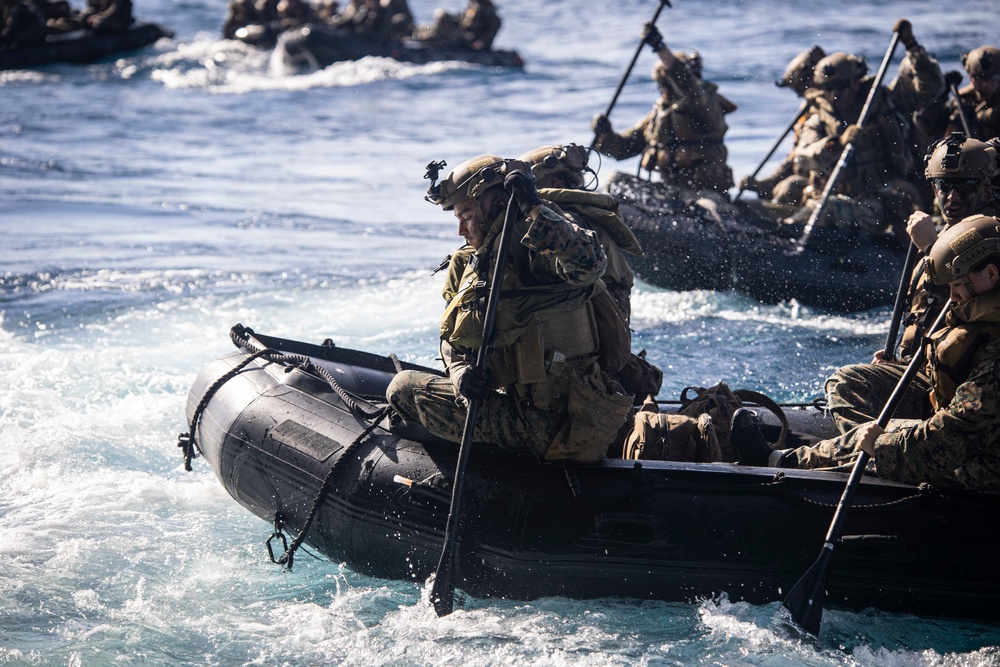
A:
x: 148, y: 203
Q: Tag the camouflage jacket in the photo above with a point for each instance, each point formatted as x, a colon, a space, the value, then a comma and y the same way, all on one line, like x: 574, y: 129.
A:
x: 958, y: 447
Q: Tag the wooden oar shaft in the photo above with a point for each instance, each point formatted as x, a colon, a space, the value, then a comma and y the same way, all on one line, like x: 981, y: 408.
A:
x: 849, y: 148
x: 443, y: 588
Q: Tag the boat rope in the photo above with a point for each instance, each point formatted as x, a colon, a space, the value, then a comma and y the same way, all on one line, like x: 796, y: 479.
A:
x: 186, y: 441
x: 287, y: 558
x: 304, y: 364
x: 923, y: 492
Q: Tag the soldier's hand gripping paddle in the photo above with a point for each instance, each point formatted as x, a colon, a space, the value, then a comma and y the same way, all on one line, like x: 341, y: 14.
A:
x: 805, y: 600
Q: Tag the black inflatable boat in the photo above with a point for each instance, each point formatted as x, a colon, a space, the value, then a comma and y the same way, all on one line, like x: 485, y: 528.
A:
x: 315, y: 47
x: 686, y: 247
x: 288, y: 429
x: 80, y: 47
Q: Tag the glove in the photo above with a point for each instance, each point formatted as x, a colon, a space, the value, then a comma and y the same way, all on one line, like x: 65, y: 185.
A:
x: 749, y: 183
x: 601, y: 125
x: 652, y: 36
x: 474, y: 383
x: 521, y: 185
x: 952, y: 78
x: 905, y: 31
x: 854, y: 135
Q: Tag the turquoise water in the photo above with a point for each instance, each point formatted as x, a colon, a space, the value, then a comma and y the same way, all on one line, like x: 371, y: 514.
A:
x: 149, y: 203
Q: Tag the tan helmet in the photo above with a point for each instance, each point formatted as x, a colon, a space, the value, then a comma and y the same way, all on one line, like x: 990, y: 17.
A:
x: 982, y: 62
x: 799, y: 74
x: 839, y: 67
x: 961, y: 248
x: 470, y: 179
x: 568, y: 162
x: 959, y: 157
x: 690, y: 58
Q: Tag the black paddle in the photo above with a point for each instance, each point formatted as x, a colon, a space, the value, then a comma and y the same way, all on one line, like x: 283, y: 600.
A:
x: 848, y: 151
x: 897, y: 310
x: 443, y: 588
x: 953, y: 79
x: 802, y: 109
x: 628, y: 71
x: 805, y: 599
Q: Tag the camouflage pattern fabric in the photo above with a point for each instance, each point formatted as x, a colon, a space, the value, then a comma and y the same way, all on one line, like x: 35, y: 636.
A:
x: 434, y: 402
x: 955, y: 448
x: 552, y: 250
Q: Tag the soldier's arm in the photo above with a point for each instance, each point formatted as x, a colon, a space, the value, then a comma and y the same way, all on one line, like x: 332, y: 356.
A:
x: 933, y: 450
x: 628, y: 144
x: 563, y: 249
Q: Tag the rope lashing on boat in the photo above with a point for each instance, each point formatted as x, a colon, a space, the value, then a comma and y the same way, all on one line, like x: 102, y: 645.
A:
x: 186, y: 441
x: 923, y: 492
x: 287, y: 558
x: 303, y: 363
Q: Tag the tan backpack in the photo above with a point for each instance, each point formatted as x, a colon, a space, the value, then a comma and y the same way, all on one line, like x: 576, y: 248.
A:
x: 660, y: 436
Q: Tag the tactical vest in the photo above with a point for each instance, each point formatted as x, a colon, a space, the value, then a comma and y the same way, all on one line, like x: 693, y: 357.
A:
x: 536, y: 324
x: 951, y: 351
x: 875, y: 162
x: 683, y: 133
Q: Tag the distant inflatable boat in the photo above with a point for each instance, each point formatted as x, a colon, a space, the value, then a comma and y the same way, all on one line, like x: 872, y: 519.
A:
x: 296, y: 434
x: 315, y: 47
x: 685, y: 247
x: 80, y: 47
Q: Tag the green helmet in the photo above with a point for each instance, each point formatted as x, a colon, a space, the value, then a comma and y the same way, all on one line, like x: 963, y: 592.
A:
x: 961, y: 248
x: 984, y: 61
x: 799, y: 74
x: 568, y: 162
x: 959, y: 157
x: 838, y: 67
x: 470, y: 179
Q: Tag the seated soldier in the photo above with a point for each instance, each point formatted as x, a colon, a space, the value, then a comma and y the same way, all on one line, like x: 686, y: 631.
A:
x: 962, y: 173
x: 682, y: 137
x: 545, y: 389
x: 785, y: 185
x: 872, y: 190
x: 946, y: 431
x: 979, y: 102
x: 107, y: 16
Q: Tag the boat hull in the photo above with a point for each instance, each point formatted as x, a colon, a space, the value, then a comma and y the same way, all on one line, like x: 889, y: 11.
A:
x: 83, y: 49
x: 687, y: 248
x: 659, y: 530
x: 315, y: 47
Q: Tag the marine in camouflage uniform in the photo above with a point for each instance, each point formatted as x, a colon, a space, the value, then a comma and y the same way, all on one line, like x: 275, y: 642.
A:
x: 873, y: 191
x: 979, y: 101
x: 682, y: 137
x: 545, y: 345
x: 962, y: 173
x: 947, y: 432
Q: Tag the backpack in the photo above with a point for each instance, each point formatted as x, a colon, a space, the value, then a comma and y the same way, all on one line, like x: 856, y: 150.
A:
x: 660, y: 436
x: 720, y: 402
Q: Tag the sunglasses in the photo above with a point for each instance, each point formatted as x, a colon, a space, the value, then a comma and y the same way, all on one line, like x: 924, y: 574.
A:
x: 832, y: 86
x: 963, y: 186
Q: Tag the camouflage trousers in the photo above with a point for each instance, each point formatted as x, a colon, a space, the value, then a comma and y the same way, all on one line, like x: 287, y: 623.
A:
x: 502, y: 420
x: 855, y: 395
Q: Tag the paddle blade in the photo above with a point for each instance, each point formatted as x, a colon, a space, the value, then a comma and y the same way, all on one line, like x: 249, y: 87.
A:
x: 443, y: 591
x: 805, y: 601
